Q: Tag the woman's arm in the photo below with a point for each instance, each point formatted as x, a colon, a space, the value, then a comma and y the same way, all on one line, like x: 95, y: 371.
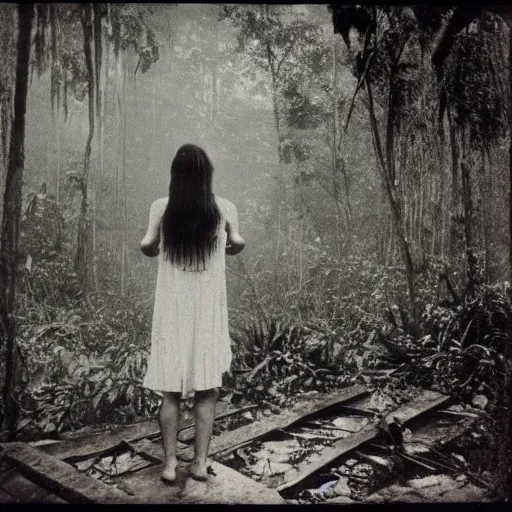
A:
x: 235, y: 243
x: 150, y: 243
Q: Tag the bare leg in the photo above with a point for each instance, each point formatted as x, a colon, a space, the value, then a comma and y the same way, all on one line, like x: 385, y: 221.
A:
x: 205, y: 414
x: 169, y: 417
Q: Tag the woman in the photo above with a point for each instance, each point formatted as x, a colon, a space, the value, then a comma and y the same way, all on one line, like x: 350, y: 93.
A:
x: 190, y: 231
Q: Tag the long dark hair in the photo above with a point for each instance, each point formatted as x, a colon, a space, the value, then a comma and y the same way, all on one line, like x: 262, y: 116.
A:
x: 191, y: 218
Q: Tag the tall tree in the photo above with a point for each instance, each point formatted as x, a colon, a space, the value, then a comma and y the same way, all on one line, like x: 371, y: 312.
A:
x: 83, y: 261
x: 379, y: 66
x: 510, y: 144
x: 284, y: 47
x: 11, y: 220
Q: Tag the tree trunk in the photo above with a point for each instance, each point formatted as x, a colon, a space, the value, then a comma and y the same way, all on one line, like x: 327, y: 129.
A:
x: 57, y: 169
x: 83, y: 256
x: 486, y: 228
x: 215, y: 79
x: 510, y: 145
x: 125, y: 203
x: 49, y: 151
x: 421, y: 227
x: 387, y: 176
x: 10, y: 223
x: 335, y: 145
x: 467, y: 204
x: 454, y: 206
x: 281, y: 196
x: 119, y: 78
x: 444, y: 218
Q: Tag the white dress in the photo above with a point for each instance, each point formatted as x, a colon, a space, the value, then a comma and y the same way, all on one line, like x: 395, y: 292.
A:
x: 190, y: 343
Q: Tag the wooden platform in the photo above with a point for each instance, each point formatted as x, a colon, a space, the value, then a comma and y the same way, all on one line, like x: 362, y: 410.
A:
x: 16, y: 488
x: 49, y: 474
x: 36, y: 477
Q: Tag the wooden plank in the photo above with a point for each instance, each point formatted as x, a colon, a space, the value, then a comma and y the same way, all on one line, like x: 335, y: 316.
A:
x: 433, y: 435
x: 60, y: 478
x: 6, y: 498
x: 329, y: 455
x: 102, y: 442
x: 123, y: 446
x: 98, y: 442
x: 425, y: 402
x: 227, y: 486
x: 357, y: 411
x: 229, y: 440
x: 25, y: 491
x: 146, y: 447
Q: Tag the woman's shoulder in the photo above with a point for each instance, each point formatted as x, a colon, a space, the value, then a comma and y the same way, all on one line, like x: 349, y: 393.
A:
x: 160, y: 204
x: 224, y: 204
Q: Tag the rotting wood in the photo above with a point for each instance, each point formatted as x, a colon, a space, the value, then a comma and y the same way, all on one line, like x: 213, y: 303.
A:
x: 346, y: 410
x: 417, y: 461
x: 228, y: 441
x: 123, y: 446
x: 149, y: 451
x: 459, y: 413
x: 6, y: 498
x: 432, y: 435
x: 425, y: 402
x: 437, y: 465
x: 227, y: 486
x: 98, y: 443
x: 61, y: 478
x: 329, y: 454
x: 7, y: 474
x: 146, y: 448
x: 24, y: 490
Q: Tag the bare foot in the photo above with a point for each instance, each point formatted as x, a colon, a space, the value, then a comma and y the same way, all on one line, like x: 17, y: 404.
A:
x: 199, y: 471
x: 169, y: 472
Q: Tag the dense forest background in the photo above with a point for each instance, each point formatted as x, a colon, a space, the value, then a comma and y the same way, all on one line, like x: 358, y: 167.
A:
x: 367, y: 149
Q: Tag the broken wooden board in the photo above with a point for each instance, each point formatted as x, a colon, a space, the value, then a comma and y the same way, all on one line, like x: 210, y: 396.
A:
x: 98, y: 443
x: 149, y: 449
x: 228, y: 441
x: 20, y: 489
x: 328, y: 455
x: 123, y: 446
x: 6, y: 498
x: 227, y: 486
x: 425, y: 402
x: 357, y: 411
x: 61, y: 478
x: 435, y: 434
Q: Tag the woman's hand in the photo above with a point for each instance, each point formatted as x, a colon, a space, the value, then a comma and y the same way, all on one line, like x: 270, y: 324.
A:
x: 150, y: 249
x: 235, y: 243
x: 149, y: 245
